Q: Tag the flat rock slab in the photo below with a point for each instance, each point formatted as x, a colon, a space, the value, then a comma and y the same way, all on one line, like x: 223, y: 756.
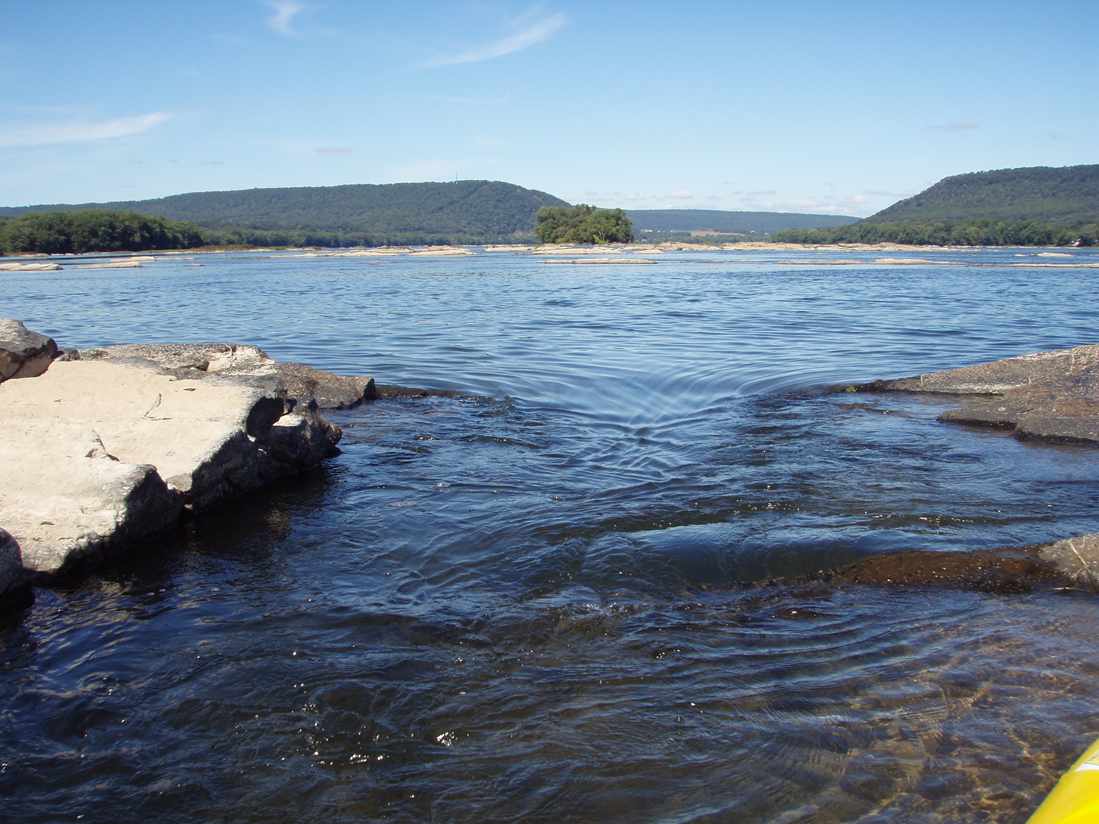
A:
x: 1050, y: 396
x: 23, y: 353
x: 224, y: 359
x: 304, y: 384
x: 140, y: 415
x: 65, y: 501
x: 96, y: 453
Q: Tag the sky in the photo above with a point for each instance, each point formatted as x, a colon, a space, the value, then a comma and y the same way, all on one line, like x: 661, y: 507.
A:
x: 835, y: 107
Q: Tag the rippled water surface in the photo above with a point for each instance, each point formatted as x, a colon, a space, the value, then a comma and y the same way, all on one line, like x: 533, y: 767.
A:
x: 548, y: 600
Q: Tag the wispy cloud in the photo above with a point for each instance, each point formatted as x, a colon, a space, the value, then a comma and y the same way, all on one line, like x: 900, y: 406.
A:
x: 282, y: 16
x: 333, y: 151
x: 530, y: 30
x: 956, y: 126
x: 45, y: 134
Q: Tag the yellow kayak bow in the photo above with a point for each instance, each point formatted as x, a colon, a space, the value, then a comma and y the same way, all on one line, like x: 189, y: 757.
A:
x: 1075, y: 799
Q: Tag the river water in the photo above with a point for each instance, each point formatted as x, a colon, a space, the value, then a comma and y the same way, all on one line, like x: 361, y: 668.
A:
x: 548, y: 600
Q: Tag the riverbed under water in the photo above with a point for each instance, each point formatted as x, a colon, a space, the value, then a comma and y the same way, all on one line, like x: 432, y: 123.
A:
x: 541, y: 600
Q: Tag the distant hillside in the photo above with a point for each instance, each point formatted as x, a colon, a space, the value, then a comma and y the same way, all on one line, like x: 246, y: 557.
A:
x: 466, y: 210
x: 696, y: 220
x: 1068, y: 195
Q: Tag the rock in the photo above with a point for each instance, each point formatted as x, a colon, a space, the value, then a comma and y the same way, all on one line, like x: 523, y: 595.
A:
x: 113, y: 264
x: 100, y: 451
x: 1075, y: 558
x: 14, y: 585
x: 23, y: 353
x: 184, y: 359
x: 1073, y: 562
x: 1050, y: 395
x: 79, y: 500
x: 599, y: 262
x: 29, y: 267
x: 991, y: 570
x: 326, y: 390
x: 300, y: 382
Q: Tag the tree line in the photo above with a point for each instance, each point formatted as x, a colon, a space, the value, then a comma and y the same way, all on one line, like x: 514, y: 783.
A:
x: 95, y: 231
x: 76, y: 232
x: 950, y: 233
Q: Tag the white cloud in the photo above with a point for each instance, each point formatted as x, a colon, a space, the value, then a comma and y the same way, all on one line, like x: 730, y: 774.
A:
x: 533, y: 30
x: 45, y: 134
x: 283, y: 14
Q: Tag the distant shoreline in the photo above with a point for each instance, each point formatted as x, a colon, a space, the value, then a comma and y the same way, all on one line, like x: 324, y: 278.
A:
x: 443, y: 250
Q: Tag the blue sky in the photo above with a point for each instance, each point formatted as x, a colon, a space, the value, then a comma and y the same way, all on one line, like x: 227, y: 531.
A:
x: 796, y: 106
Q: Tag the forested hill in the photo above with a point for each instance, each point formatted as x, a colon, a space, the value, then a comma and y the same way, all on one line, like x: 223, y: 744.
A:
x: 715, y: 220
x: 461, y: 211
x: 1067, y: 195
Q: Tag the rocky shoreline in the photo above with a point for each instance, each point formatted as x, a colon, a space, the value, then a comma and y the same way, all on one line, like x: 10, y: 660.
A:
x: 1050, y: 397
x: 104, y: 447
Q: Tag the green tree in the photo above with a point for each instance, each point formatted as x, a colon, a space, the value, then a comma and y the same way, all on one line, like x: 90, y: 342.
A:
x: 583, y: 224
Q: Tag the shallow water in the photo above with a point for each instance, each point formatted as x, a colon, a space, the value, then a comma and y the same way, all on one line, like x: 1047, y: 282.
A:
x: 539, y: 603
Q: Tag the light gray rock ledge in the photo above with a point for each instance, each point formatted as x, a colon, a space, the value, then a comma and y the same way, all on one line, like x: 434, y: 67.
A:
x: 23, y: 354
x: 110, y: 447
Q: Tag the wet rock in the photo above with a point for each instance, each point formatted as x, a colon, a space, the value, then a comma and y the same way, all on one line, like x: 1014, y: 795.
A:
x: 1071, y: 563
x: 326, y: 390
x: 1050, y: 395
x: 389, y: 392
x: 994, y: 570
x: 23, y: 353
x: 14, y: 582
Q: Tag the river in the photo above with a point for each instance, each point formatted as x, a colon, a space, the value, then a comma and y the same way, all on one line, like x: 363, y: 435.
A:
x: 547, y: 598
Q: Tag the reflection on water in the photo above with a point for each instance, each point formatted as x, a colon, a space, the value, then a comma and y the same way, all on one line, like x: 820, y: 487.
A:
x: 545, y: 603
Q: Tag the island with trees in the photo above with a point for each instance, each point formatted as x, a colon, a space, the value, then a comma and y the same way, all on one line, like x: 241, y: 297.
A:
x: 583, y: 224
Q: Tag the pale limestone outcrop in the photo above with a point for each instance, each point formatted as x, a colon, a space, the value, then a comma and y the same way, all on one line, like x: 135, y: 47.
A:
x: 23, y: 353
x: 102, y: 450
x: 302, y: 383
x: 15, y: 266
x: 65, y: 499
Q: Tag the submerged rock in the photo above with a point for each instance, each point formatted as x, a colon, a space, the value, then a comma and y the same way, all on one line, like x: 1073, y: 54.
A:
x: 992, y: 570
x: 1050, y: 395
x: 1071, y: 563
x: 23, y: 353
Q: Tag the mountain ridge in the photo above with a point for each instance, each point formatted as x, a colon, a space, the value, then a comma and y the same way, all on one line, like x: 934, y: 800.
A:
x: 1054, y: 194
